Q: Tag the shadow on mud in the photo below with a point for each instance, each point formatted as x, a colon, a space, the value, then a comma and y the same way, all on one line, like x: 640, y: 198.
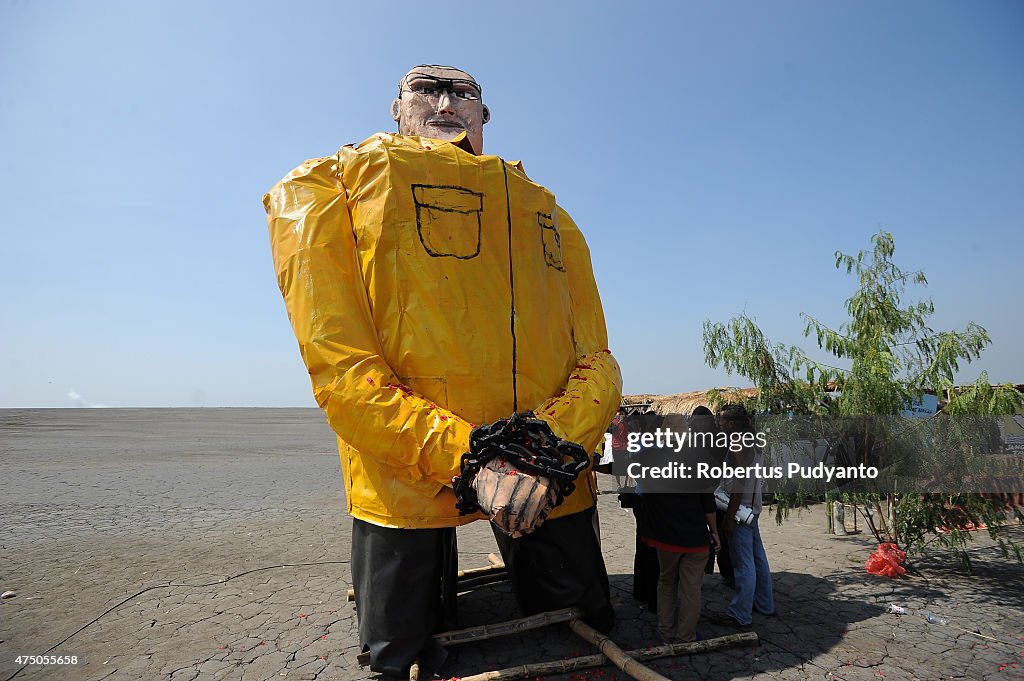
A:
x: 811, y: 620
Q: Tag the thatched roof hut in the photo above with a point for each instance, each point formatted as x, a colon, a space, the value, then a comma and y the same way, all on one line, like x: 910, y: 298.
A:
x: 685, y: 403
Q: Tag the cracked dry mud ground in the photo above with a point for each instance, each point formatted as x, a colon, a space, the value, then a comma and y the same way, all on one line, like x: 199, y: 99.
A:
x: 228, y: 528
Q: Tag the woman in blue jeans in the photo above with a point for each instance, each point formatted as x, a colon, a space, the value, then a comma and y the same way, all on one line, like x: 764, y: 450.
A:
x: 753, y: 575
x: 750, y: 563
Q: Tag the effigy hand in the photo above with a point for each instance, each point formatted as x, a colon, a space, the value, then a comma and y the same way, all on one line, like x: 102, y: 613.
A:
x: 518, y: 502
x: 516, y: 471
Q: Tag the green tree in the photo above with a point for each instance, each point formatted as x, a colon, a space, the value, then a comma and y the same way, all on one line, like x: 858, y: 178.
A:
x: 886, y: 356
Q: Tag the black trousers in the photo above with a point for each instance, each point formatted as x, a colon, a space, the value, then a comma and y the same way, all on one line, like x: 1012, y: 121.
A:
x: 560, y: 566
x: 405, y: 583
x: 646, y: 568
x: 724, y: 560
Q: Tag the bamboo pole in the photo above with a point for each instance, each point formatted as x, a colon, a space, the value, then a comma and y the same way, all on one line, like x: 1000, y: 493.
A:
x: 474, y: 581
x: 883, y: 527
x: 486, y: 631
x: 485, y: 570
x: 618, y: 657
x: 527, y: 671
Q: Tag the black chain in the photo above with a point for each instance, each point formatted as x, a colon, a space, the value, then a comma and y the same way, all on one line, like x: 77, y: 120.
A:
x: 527, y: 443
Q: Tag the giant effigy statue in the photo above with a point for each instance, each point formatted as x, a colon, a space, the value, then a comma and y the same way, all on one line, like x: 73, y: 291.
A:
x: 446, y: 310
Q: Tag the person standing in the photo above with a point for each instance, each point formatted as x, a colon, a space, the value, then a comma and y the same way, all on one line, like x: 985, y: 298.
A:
x: 620, y: 443
x: 681, y: 528
x: 645, y: 557
x: 680, y: 525
x: 752, y: 573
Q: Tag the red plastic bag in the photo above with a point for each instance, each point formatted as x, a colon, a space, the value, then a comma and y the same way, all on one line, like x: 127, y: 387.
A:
x: 887, y: 560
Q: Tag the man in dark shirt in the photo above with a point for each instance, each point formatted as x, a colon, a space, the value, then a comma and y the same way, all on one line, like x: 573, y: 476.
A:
x: 681, y: 526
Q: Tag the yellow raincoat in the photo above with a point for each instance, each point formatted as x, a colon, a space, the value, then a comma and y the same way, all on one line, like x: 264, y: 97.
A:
x: 432, y: 290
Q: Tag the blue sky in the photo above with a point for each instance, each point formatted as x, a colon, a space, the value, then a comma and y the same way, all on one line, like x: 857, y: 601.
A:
x: 714, y: 154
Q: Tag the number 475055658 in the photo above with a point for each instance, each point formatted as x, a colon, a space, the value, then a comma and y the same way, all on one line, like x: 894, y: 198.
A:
x: 46, y: 660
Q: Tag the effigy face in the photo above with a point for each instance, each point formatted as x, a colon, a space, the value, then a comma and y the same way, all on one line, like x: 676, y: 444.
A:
x: 441, y: 103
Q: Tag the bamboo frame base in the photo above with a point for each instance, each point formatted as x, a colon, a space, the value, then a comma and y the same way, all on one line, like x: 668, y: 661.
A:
x: 626, y: 660
x: 528, y: 671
